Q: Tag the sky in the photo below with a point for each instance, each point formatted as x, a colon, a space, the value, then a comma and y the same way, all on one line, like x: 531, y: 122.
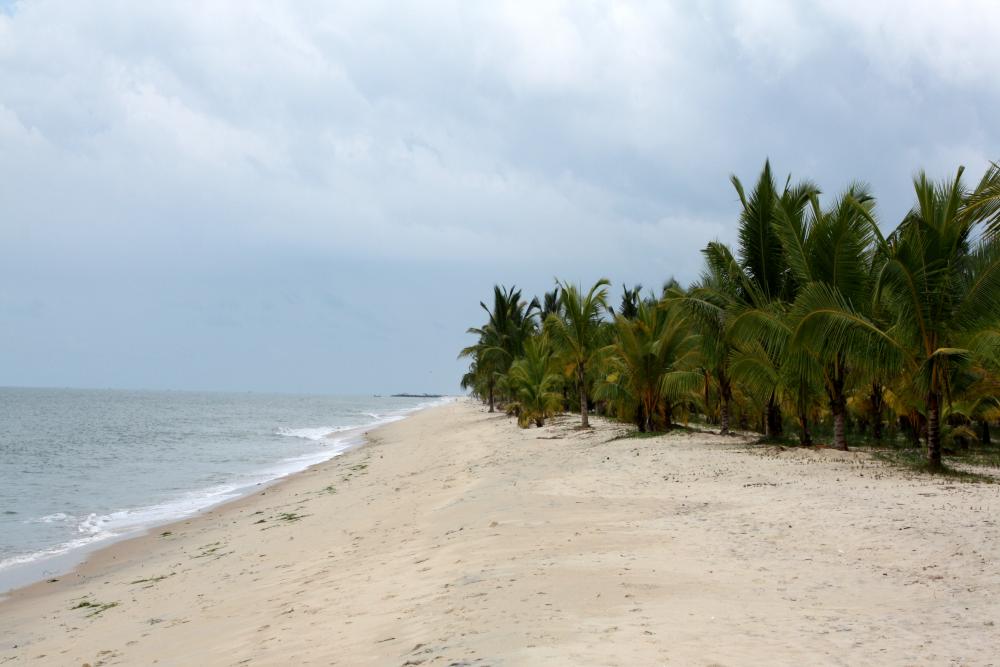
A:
x: 314, y: 197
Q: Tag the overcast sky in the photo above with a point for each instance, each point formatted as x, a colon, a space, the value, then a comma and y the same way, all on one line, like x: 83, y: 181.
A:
x: 313, y: 197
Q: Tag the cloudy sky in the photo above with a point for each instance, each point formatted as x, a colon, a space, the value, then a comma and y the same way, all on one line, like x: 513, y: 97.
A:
x: 313, y: 197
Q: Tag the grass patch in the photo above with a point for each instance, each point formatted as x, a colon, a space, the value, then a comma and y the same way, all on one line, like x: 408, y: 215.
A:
x: 359, y: 469
x: 152, y: 580
x: 642, y: 435
x: 331, y: 489
x: 982, y: 459
x: 916, y: 461
x: 290, y: 517
x: 166, y: 533
x: 211, y: 550
x: 94, y: 606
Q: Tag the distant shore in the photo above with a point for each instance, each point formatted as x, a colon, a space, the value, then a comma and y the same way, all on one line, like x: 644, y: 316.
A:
x: 454, y: 537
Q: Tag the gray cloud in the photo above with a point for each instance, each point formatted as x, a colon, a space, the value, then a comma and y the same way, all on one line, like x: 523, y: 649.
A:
x: 337, y: 182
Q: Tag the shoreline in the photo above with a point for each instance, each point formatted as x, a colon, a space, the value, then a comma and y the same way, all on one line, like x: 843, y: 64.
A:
x: 64, y: 563
x: 104, y: 553
x: 454, y: 537
x: 43, y: 570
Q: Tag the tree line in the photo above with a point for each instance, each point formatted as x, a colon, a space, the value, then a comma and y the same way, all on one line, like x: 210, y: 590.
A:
x: 816, y: 321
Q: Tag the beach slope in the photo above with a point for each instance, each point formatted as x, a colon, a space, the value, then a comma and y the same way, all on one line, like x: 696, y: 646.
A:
x: 455, y: 538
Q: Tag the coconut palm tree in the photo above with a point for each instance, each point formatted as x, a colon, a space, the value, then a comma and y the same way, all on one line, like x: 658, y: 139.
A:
x: 576, y: 332
x: 767, y: 282
x: 629, y: 306
x: 535, y: 381
x: 486, y: 355
x: 941, y: 287
x: 709, y: 305
x: 762, y: 256
x: 549, y: 305
x: 768, y: 368
x: 475, y: 380
x: 501, y: 340
x: 832, y: 250
x: 651, y: 364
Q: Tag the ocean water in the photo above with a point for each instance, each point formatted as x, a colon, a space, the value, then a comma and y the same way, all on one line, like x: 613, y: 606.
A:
x: 79, y: 468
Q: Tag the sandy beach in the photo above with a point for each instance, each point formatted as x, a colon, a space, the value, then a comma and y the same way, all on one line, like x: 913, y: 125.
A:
x: 455, y: 538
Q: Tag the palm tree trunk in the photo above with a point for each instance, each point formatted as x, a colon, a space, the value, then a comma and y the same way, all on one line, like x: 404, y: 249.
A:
x: 805, y: 437
x: 725, y: 395
x: 668, y: 411
x: 911, y: 427
x: 580, y: 377
x: 491, y: 397
x: 708, y: 410
x: 838, y: 406
x: 839, y: 436
x: 772, y: 421
x: 878, y: 401
x: 933, y: 432
x: 984, y: 432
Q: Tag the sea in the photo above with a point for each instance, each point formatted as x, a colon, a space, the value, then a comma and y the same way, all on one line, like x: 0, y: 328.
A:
x: 80, y: 468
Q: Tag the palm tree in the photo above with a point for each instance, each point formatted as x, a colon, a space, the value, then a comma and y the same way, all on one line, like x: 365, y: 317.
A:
x: 629, y: 307
x: 501, y: 340
x: 485, y: 366
x: 833, y: 251
x: 975, y: 398
x: 550, y: 304
x: 576, y: 330
x: 769, y: 368
x: 940, y: 288
x: 475, y: 380
x: 534, y: 382
x: 762, y: 255
x: 709, y: 305
x: 767, y: 282
x: 651, y: 363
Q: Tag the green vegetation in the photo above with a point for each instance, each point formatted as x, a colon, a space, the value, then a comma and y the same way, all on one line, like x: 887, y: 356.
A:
x: 816, y: 322
x: 915, y: 460
x: 152, y: 580
x: 533, y: 381
x: 576, y: 329
x: 94, y: 607
x: 213, y: 550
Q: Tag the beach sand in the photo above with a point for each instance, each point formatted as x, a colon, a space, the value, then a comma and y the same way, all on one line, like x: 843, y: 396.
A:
x: 455, y: 538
